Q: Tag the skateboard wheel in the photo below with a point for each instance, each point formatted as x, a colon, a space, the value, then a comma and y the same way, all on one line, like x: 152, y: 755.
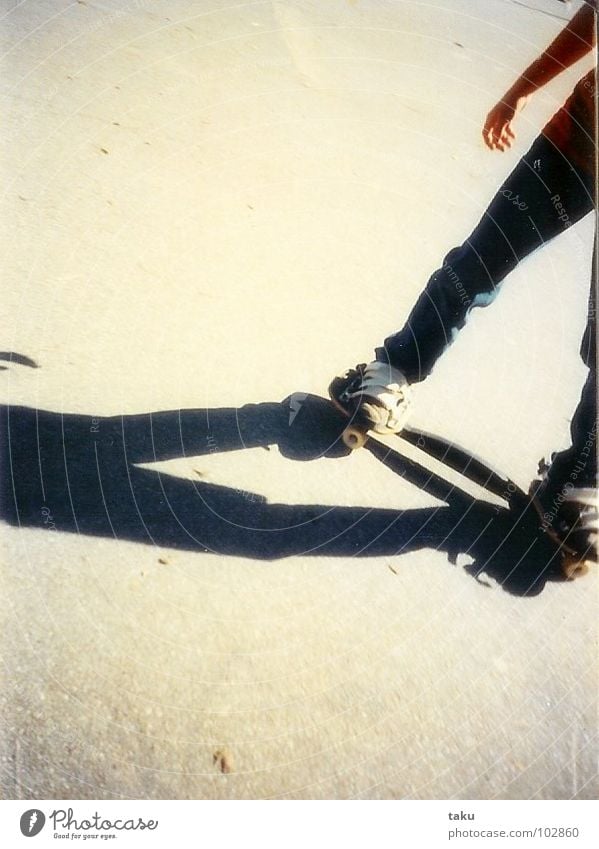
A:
x: 353, y: 438
x: 573, y: 569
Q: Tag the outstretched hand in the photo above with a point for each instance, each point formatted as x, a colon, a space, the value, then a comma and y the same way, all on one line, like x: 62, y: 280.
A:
x: 497, y: 131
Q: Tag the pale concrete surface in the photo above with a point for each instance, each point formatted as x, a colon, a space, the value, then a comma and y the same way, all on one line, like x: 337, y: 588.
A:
x: 208, y: 204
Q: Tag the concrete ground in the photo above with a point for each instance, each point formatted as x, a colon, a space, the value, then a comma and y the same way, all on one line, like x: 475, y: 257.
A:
x: 208, y: 205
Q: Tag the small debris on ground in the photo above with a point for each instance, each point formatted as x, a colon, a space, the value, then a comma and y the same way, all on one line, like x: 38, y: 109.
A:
x: 222, y: 759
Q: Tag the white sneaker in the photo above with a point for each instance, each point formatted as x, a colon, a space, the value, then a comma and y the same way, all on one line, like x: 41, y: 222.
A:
x: 377, y: 395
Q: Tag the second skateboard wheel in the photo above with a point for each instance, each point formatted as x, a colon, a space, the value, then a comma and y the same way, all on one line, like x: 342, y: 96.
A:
x: 354, y: 438
x: 572, y: 568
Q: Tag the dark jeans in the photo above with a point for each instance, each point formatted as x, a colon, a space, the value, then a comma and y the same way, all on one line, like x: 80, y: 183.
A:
x: 542, y: 197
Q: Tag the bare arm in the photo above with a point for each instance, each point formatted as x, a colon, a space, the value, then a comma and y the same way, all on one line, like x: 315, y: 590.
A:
x: 573, y: 42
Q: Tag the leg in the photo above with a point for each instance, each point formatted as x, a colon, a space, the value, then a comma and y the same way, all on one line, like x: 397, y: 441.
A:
x: 577, y: 466
x: 542, y: 196
x: 568, y: 493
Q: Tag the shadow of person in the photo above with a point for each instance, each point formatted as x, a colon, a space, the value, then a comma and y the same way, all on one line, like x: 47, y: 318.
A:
x: 80, y: 474
x: 19, y: 359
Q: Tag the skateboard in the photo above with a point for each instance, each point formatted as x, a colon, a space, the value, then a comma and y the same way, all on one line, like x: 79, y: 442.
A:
x: 525, y: 508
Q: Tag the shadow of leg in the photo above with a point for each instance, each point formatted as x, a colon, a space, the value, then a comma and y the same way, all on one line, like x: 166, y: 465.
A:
x: 77, y: 474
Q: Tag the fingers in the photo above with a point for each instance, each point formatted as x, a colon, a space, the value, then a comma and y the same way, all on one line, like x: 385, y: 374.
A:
x: 489, y: 134
x: 498, y: 136
x: 503, y: 141
x: 506, y: 137
x: 497, y: 132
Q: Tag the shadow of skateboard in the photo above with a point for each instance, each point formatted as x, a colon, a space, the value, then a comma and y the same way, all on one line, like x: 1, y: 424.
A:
x: 524, y: 508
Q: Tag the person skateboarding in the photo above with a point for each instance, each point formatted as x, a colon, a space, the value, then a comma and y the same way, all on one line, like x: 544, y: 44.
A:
x: 555, y: 183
